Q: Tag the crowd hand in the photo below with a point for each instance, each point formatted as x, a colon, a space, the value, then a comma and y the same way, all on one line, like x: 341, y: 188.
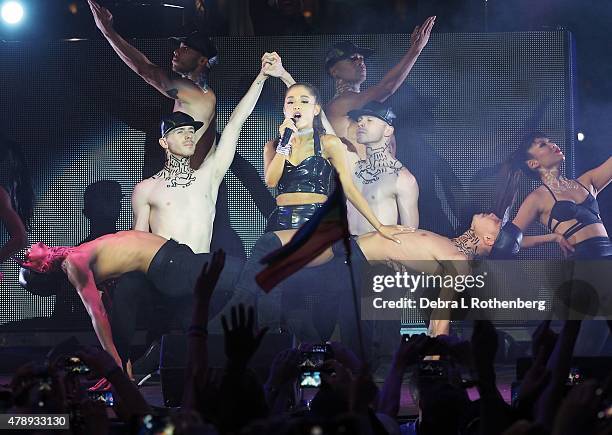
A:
x: 285, y: 368
x: 209, y: 276
x: 102, y: 16
x: 459, y: 350
x: 420, y: 34
x: 98, y: 360
x: 363, y: 392
x: 579, y: 411
x: 533, y: 384
x: 543, y: 339
x: 272, y: 65
x: 338, y: 377
x: 484, y: 348
x: 566, y: 247
x: 411, y: 350
x: 345, y: 356
x: 241, y: 341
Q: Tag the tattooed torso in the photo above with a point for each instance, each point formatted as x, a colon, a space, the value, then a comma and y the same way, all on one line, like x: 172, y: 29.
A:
x: 181, y: 203
x: 376, y: 178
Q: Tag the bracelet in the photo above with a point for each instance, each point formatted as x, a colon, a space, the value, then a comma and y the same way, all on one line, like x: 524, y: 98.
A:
x: 284, y: 150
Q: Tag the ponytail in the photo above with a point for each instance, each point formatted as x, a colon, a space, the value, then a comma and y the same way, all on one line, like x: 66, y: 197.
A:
x: 511, y: 172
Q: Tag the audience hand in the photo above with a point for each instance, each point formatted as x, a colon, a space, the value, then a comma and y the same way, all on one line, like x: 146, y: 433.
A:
x: 578, y: 412
x: 345, y: 356
x: 209, y: 276
x: 285, y: 368
x: 98, y: 360
x: 543, y: 339
x: 241, y: 341
x: 410, y: 350
x: 484, y: 347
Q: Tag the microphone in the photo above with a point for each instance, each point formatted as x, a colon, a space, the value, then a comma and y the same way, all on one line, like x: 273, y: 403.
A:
x: 286, y: 136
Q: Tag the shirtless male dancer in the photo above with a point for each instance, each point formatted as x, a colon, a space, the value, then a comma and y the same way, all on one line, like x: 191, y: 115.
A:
x: 174, y: 203
x: 390, y: 189
x: 344, y: 62
x: 173, y: 268
x: 176, y: 181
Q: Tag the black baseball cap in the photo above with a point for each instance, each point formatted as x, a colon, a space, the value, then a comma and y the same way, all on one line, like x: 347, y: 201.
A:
x: 374, y: 108
x: 176, y: 120
x: 344, y: 50
x: 202, y: 44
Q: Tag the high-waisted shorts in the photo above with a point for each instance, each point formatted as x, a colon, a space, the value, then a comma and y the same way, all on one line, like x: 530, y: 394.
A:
x: 291, y: 217
x: 593, y: 248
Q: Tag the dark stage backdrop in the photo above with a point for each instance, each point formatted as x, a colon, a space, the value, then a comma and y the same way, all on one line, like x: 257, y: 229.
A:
x: 82, y: 116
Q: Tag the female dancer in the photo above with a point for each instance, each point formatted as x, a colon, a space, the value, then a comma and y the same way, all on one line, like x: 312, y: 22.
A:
x: 16, y: 198
x: 567, y: 207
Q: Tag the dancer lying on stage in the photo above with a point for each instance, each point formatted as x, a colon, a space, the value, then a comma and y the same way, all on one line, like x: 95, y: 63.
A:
x: 174, y: 268
x: 560, y: 203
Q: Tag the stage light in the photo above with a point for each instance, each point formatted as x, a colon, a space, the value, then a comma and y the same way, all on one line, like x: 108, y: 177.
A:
x: 580, y: 136
x: 12, y: 12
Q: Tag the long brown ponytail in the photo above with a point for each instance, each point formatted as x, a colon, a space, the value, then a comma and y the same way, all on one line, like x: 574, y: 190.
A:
x: 510, y: 174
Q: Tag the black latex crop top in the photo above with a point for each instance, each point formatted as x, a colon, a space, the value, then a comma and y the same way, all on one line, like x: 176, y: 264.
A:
x: 312, y: 175
x: 585, y: 213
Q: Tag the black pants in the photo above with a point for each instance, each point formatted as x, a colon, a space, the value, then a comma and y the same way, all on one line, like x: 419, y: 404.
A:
x: 136, y: 299
x: 168, y: 284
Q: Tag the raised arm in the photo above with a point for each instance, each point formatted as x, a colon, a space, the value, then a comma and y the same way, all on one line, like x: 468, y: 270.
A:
x: 14, y: 226
x: 336, y: 151
x: 226, y: 148
x: 392, y: 80
x: 175, y: 88
x: 598, y: 177
x: 407, y: 194
x: 276, y: 69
